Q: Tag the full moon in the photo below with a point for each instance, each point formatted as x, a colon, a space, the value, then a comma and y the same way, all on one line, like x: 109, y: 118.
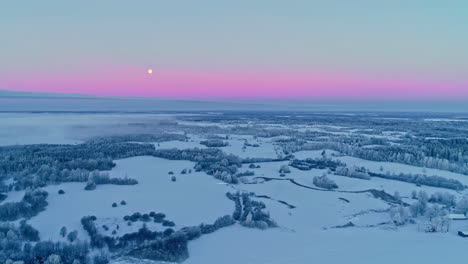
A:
x: 150, y: 71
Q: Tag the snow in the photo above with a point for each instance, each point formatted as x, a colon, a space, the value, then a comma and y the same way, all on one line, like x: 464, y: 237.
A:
x: 14, y: 197
x: 308, y: 229
x: 313, y: 154
x: 367, y: 245
x: 192, y: 143
x: 193, y: 199
x: 457, y: 217
x: 265, y: 150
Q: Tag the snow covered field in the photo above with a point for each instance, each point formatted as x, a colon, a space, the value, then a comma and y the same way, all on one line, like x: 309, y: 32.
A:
x: 193, y: 199
x: 347, y: 224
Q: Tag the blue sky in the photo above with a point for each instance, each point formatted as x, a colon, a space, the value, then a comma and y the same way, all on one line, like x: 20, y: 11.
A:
x: 415, y: 41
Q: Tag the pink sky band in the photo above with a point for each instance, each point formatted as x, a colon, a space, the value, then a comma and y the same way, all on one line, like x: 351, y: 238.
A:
x: 227, y: 84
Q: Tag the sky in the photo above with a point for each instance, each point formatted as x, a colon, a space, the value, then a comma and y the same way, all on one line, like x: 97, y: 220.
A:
x: 307, y: 49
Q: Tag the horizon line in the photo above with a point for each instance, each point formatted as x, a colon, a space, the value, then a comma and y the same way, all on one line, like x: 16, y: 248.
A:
x: 72, y: 95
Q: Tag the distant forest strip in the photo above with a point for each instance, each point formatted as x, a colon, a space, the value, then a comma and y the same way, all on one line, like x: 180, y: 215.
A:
x: 450, y: 155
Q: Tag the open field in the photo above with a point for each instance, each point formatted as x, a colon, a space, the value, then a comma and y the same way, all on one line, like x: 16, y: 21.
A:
x: 323, y: 188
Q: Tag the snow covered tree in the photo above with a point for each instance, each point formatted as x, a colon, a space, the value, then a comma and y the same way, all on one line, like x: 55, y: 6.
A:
x: 72, y: 236
x: 28, y: 232
x: 442, y: 223
x: 90, y: 185
x: 422, y: 196
x: 433, y: 211
x: 63, y: 231
x: 53, y: 259
x: 443, y: 198
x: 352, y: 172
x: 462, y: 205
x: 418, y: 208
x: 399, y: 215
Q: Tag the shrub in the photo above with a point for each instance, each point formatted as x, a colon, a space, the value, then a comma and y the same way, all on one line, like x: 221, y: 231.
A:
x: 168, y: 223
x: 284, y: 169
x: 322, y: 163
x: 214, y: 143
x: 135, y: 217
x: 224, y: 221
x: 246, y: 173
x: 324, y: 182
x: 352, y: 172
x: 145, y: 218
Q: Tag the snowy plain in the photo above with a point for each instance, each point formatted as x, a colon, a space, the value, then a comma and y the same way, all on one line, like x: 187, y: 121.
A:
x: 308, y: 231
